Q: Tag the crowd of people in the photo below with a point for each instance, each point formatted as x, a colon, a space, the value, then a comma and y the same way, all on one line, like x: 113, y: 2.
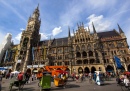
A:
x: 78, y: 77
x: 123, y: 79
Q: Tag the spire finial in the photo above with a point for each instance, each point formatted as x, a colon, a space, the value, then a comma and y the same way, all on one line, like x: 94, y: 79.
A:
x: 120, y: 30
x: 69, y: 31
x: 38, y: 6
x: 88, y: 29
x: 82, y: 24
x: 93, y: 28
x: 73, y: 32
x: 78, y: 25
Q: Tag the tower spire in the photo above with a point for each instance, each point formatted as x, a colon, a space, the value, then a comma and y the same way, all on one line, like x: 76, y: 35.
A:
x: 120, y: 30
x: 93, y: 28
x: 88, y: 29
x: 38, y: 6
x: 73, y: 32
x: 83, y: 24
x: 69, y: 32
x: 78, y: 25
x: 36, y: 12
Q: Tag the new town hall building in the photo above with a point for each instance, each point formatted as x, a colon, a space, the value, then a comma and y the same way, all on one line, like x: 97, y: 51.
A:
x: 83, y: 52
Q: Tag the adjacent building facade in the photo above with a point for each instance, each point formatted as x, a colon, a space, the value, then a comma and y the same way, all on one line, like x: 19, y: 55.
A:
x: 82, y: 52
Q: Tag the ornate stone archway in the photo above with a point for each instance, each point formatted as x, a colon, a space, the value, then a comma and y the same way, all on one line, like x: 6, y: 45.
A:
x: 93, y: 69
x: 86, y: 70
x: 128, y: 67
x: 80, y: 70
x: 109, y: 68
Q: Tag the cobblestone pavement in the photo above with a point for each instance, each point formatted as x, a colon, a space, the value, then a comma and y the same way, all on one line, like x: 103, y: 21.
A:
x: 71, y: 86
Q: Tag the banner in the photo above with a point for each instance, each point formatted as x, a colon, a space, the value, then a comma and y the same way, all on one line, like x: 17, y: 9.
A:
x: 33, y: 53
x: 6, y: 54
x: 118, y: 62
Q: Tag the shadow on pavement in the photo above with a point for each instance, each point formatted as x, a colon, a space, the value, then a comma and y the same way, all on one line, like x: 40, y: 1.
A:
x: 16, y: 89
x: 106, y: 84
x: 67, y: 86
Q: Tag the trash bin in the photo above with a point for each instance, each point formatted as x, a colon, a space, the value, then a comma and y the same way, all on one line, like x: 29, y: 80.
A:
x: 46, y: 81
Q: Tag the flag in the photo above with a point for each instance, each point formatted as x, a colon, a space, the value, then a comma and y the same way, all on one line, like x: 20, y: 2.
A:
x: 33, y: 53
x: 6, y: 54
x: 118, y: 62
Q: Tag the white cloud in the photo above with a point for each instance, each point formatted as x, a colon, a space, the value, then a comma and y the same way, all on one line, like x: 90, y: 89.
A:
x: 100, y: 23
x: 44, y: 36
x: 100, y: 4
x: 22, y: 29
x: 56, y: 31
x: 17, y: 38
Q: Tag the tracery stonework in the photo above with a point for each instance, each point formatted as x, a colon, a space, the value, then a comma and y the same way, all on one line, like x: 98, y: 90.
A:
x: 83, y: 52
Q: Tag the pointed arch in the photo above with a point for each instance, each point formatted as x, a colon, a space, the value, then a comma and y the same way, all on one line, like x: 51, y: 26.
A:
x: 93, y: 69
x: 84, y: 54
x: 79, y: 62
x: 80, y: 70
x: 78, y: 54
x: 89, y: 47
x: 91, y: 61
x: 86, y: 70
x: 90, y: 53
x: 83, y: 47
x: 85, y: 61
x: 77, y: 48
x: 109, y: 68
x: 128, y: 67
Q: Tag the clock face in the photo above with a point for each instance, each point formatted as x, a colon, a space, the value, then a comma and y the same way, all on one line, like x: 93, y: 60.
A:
x: 31, y: 22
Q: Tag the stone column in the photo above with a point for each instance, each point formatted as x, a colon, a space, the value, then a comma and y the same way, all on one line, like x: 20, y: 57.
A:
x: 125, y: 67
x: 25, y: 62
x: 115, y: 70
x: 15, y: 64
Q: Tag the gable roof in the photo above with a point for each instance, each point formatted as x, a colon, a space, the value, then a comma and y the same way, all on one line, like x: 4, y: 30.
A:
x: 108, y: 34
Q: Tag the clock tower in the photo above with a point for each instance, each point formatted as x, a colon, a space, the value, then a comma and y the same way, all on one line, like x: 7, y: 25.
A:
x: 30, y: 38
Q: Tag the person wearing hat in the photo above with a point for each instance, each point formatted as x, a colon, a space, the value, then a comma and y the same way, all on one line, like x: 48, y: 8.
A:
x: 0, y: 80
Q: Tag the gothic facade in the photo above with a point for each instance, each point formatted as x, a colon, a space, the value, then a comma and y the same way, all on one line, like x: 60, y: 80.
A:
x: 82, y: 52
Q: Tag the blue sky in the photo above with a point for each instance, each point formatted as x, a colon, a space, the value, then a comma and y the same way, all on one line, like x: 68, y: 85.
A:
x: 57, y: 15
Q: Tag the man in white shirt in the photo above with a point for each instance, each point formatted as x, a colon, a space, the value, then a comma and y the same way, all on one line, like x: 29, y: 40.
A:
x: 126, y: 81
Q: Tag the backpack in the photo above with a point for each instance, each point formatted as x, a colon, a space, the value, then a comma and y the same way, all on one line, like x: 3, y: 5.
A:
x: 20, y: 77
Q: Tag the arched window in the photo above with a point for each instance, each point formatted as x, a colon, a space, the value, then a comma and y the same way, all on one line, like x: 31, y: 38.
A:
x: 78, y: 54
x: 77, y: 48
x: 89, y: 47
x: 83, y: 47
x: 90, y: 53
x: 84, y: 54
